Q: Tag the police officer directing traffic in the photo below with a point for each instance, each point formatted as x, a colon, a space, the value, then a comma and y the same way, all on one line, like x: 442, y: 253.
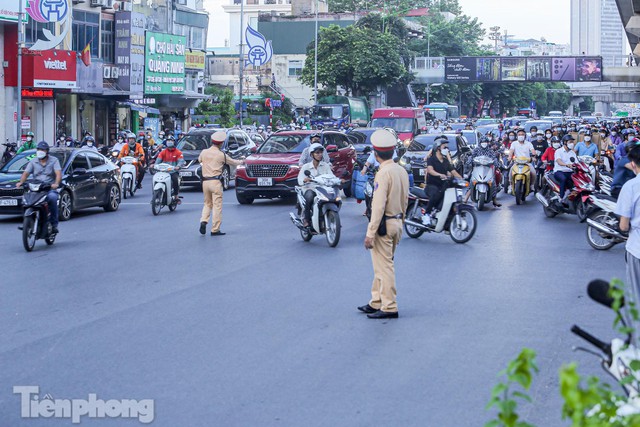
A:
x: 213, y: 161
x: 390, y: 199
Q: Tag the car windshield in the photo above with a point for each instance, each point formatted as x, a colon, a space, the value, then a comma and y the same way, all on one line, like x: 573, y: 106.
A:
x: 195, y: 141
x: 19, y: 162
x: 471, y: 137
x: 399, y: 125
x: 422, y: 142
x: 481, y: 122
x: 539, y: 125
x: 284, y: 144
x: 359, y: 137
x: 327, y: 112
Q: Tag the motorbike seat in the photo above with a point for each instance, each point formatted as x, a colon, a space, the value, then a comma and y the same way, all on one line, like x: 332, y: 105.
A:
x: 553, y: 178
x: 606, y: 197
x: 419, y: 193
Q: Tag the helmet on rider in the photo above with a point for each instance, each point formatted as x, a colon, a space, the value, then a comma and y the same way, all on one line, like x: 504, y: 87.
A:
x: 316, y: 147
x: 131, y: 139
x: 567, y: 138
x: 90, y: 141
x: 171, y: 143
x: 315, y: 136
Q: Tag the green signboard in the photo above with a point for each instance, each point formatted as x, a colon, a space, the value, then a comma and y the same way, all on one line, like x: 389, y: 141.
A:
x: 164, y: 64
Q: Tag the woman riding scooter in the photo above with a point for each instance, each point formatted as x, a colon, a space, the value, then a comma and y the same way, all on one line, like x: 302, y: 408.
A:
x: 439, y: 169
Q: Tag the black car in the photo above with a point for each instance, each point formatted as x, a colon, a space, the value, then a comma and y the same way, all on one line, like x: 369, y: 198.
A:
x: 238, y: 144
x: 414, y: 159
x: 88, y: 180
x: 361, y: 141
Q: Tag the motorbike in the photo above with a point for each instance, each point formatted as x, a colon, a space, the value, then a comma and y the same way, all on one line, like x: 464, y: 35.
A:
x: 325, y: 212
x: 162, y: 188
x: 616, y: 358
x: 129, y: 173
x: 153, y: 155
x: 455, y: 217
x: 482, y: 180
x: 113, y: 156
x: 540, y: 170
x: 592, y: 165
x: 579, y: 200
x: 605, y: 180
x: 10, y: 149
x: 520, y: 179
x: 603, y: 225
x: 505, y: 168
x: 35, y: 219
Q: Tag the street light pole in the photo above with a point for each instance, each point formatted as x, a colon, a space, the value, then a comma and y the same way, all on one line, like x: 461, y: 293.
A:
x: 315, y: 62
x: 19, y: 88
x: 241, y: 62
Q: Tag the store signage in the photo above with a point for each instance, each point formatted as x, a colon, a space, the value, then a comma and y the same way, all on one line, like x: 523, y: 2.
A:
x: 523, y: 69
x: 55, y: 69
x: 164, y: 64
x: 37, y: 93
x: 9, y: 10
x: 194, y: 60
x: 48, y: 11
x: 129, y: 50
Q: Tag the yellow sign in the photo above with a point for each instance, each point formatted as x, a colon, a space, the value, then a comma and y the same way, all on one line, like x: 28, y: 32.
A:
x: 194, y: 60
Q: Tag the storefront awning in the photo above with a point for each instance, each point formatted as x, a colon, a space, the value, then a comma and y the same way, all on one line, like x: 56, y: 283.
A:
x: 152, y: 110
x: 134, y: 107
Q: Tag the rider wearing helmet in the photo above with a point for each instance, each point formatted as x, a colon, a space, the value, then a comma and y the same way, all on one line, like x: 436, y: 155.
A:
x: 549, y: 154
x: 45, y: 169
x: 172, y: 156
x: 317, y: 166
x: 623, y: 170
x: 586, y: 147
x: 132, y: 148
x: 539, y: 143
x: 438, y: 170
x: 562, y: 163
x: 485, y: 149
x: 90, y: 143
x: 29, y: 145
x: 305, y: 156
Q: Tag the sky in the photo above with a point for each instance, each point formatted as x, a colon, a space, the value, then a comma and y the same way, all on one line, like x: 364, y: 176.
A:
x: 524, y: 18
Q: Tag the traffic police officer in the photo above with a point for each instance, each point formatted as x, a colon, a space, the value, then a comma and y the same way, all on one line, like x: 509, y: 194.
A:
x: 390, y: 199
x: 213, y: 161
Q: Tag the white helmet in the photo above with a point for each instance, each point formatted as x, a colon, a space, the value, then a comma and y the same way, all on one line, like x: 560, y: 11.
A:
x: 315, y: 146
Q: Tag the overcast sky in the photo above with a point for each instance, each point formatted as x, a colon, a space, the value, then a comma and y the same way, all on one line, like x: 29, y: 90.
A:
x: 524, y: 18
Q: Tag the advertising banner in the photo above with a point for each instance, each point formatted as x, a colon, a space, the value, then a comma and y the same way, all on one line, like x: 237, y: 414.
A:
x: 194, y: 60
x: 513, y: 69
x: 9, y: 10
x: 564, y: 69
x: 129, y: 51
x: 539, y: 69
x: 55, y: 69
x: 460, y: 69
x: 488, y: 69
x: 164, y: 64
x: 589, y: 69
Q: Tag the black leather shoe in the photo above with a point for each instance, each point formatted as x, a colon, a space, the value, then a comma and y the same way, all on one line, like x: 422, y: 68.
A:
x: 383, y: 315
x: 367, y: 309
x: 218, y: 233
x: 203, y: 228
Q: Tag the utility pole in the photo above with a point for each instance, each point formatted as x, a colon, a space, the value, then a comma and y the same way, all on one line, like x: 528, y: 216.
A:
x: 19, y: 88
x: 241, y: 62
x: 315, y: 62
x: 495, y: 36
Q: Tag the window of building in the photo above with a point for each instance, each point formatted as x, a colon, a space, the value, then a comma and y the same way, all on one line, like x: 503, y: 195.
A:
x: 295, y: 68
x: 33, y: 30
x: 107, y: 41
x: 197, y: 38
x: 86, y: 28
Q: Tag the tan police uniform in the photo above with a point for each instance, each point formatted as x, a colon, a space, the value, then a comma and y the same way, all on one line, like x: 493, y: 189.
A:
x: 213, y: 160
x: 390, y: 198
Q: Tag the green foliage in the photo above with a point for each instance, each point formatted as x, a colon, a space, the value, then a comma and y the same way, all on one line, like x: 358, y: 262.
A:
x: 226, y: 109
x: 519, y: 372
x: 391, y: 6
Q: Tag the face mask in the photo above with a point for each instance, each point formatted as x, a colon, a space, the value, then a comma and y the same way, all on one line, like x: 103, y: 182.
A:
x: 484, y: 145
x: 570, y: 146
x: 444, y: 151
x: 41, y: 154
x: 521, y: 138
x: 132, y: 144
x: 556, y: 145
x: 603, y: 135
x: 548, y: 135
x: 170, y: 145
x: 587, y: 138
x: 539, y: 138
x: 533, y: 134
x: 564, y: 129
x: 90, y: 143
x: 614, y: 133
x: 490, y: 138
x: 29, y: 139
x: 511, y: 137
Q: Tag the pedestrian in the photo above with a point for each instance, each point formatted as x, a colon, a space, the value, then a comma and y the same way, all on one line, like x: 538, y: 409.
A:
x: 213, y: 161
x: 390, y: 199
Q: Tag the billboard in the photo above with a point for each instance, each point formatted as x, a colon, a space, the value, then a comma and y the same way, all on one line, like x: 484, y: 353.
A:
x: 52, y: 69
x: 164, y: 64
x: 194, y: 60
x: 129, y: 50
x: 523, y: 69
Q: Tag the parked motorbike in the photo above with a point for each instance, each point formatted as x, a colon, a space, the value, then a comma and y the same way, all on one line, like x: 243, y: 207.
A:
x: 325, y: 212
x: 162, y: 188
x: 616, y: 358
x: 35, y: 219
x: 520, y: 178
x: 454, y: 216
x: 579, y: 200
x: 129, y: 174
x: 10, y: 149
x: 482, y: 180
x: 603, y: 225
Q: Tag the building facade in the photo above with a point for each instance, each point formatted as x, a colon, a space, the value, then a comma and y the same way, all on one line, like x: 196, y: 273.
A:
x: 596, y: 29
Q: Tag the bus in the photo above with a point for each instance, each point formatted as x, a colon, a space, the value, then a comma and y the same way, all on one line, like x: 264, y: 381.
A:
x: 526, y: 112
x: 441, y: 111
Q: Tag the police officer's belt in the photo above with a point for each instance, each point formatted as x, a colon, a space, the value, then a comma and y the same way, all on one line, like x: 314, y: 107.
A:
x: 210, y: 178
x: 399, y: 216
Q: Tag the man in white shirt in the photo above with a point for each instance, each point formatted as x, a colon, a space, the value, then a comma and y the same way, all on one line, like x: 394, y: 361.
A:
x: 523, y: 148
x: 562, y: 162
x: 316, y: 167
x: 435, y: 128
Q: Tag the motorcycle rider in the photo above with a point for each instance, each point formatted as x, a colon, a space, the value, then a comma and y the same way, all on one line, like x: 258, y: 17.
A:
x: 45, y: 169
x: 131, y: 148
x: 119, y: 145
x: 305, y: 156
x: 484, y: 149
x: 90, y: 143
x: 586, y: 147
x: 549, y: 154
x: 511, y: 137
x: 623, y: 170
x: 29, y: 145
x: 562, y: 169
x: 60, y: 141
x: 438, y: 170
x: 317, y: 167
x: 540, y: 144
x: 523, y: 148
x: 547, y: 137
x: 533, y: 134
x: 174, y: 157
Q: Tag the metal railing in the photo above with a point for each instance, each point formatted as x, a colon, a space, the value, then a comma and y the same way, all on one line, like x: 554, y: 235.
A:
x: 425, y: 63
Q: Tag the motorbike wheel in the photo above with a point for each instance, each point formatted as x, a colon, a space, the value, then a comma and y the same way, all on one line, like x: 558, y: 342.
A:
x: 519, y: 192
x: 332, y: 228
x: 305, y: 234
x: 413, y: 232
x: 28, y: 234
x: 505, y: 182
x: 597, y: 240
x: 463, y: 226
x: 481, y: 200
x: 125, y: 187
x: 50, y: 237
x: 156, y: 202
x: 173, y: 205
x: 581, y: 210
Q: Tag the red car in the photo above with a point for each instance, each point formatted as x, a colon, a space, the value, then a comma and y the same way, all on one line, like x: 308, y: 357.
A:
x: 272, y: 171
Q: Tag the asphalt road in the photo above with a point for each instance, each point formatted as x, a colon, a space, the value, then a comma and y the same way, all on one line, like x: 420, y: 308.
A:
x: 260, y: 328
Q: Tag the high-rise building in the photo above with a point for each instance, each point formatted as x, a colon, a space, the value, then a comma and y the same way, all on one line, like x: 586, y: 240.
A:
x: 596, y: 29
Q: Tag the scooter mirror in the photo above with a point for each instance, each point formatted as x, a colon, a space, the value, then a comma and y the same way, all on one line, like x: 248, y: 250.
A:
x: 307, y: 173
x: 598, y: 290
x: 573, y: 159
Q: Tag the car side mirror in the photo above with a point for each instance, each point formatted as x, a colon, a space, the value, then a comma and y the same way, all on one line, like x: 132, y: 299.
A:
x: 366, y: 150
x: 307, y: 172
x: 332, y: 148
x: 233, y: 147
x: 78, y: 172
x: 573, y: 159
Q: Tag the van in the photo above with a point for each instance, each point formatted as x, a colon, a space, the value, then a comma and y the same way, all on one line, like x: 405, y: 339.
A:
x: 406, y: 121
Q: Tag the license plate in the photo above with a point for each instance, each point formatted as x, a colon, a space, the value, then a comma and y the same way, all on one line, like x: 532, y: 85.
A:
x: 9, y: 202
x: 265, y: 182
x: 421, y: 172
x: 185, y: 173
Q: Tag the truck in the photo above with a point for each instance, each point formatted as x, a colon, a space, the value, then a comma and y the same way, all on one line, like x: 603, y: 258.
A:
x: 335, y: 111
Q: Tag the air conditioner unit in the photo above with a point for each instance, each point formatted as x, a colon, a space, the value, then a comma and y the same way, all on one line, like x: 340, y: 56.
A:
x: 115, y: 72
x: 125, y: 6
x: 97, y: 3
x: 106, y: 72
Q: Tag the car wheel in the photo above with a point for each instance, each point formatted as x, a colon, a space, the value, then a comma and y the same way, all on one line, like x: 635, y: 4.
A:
x: 226, y: 178
x: 244, y: 200
x: 113, y: 199
x: 66, y: 206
